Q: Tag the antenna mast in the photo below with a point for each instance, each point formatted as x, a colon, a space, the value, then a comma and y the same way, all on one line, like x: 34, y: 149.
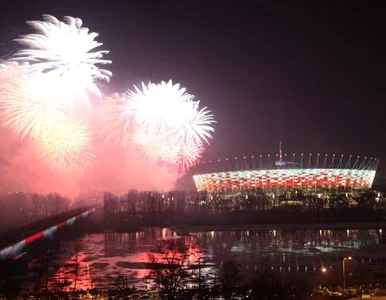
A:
x: 280, y: 153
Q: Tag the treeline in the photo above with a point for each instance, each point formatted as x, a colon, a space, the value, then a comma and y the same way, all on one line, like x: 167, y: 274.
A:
x: 158, y: 207
x: 20, y: 208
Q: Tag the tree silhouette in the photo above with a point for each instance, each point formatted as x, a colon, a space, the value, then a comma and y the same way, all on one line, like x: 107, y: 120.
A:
x: 229, y: 277
x: 168, y: 266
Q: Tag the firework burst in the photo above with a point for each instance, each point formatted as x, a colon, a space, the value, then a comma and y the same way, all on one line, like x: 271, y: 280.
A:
x: 66, y: 147
x: 190, y: 154
x: 29, y: 102
x: 168, y: 123
x: 60, y: 64
x: 195, y: 125
x: 64, y: 49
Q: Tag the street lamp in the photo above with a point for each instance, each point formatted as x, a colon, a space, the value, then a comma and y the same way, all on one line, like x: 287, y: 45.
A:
x: 324, y: 270
x: 344, y: 270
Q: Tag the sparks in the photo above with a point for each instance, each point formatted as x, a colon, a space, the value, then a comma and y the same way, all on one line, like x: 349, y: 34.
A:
x: 28, y: 101
x: 67, y: 146
x: 166, y: 122
x: 64, y: 48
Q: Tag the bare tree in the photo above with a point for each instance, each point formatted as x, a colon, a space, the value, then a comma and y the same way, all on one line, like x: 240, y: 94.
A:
x: 202, y: 279
x: 229, y: 276
x: 168, y: 266
x: 120, y: 282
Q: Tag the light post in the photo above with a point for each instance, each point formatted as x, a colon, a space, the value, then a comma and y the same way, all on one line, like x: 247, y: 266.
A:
x: 323, y: 271
x: 344, y: 270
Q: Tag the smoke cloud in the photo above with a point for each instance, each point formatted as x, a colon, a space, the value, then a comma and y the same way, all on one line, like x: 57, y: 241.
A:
x: 51, y: 104
x: 114, y: 169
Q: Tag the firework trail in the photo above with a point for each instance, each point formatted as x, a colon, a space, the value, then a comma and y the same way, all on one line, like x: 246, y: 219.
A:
x: 64, y: 48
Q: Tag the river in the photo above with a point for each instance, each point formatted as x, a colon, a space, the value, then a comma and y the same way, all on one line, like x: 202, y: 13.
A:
x: 106, y: 259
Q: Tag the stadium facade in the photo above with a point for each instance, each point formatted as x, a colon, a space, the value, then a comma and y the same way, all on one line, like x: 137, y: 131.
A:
x: 277, y: 174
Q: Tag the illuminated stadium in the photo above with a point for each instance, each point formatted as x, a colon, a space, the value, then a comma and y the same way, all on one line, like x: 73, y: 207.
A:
x: 309, y: 173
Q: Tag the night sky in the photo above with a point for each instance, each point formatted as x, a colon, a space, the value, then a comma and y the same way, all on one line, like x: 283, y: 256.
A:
x: 309, y: 75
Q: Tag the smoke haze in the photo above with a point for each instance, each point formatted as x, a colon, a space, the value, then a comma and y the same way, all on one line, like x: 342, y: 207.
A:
x: 113, y: 168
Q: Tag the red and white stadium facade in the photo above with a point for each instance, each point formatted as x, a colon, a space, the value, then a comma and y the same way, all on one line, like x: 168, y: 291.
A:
x: 306, y: 172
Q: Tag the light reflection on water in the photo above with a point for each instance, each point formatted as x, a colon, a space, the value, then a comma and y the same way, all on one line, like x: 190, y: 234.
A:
x: 105, y: 256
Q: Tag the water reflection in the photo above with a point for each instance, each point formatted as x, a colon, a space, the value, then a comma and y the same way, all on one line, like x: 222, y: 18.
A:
x: 73, y: 273
x: 302, y: 241
x: 121, y: 258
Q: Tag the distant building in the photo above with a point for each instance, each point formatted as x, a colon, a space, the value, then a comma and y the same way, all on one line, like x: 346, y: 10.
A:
x: 309, y: 173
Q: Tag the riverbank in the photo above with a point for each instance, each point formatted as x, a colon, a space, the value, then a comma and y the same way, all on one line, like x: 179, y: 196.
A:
x: 185, y: 230
x: 322, y: 226
x: 262, y: 219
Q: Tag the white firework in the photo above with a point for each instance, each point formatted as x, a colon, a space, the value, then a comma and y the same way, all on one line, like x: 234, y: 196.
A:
x: 196, y: 124
x: 29, y: 102
x: 64, y: 48
x: 67, y: 145
x: 190, y: 154
x: 158, y: 104
x: 167, y: 123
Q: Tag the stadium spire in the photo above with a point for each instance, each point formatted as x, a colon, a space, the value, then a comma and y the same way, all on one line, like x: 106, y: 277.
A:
x: 280, y: 153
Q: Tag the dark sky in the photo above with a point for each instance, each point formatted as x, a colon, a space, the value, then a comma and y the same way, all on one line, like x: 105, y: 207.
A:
x: 311, y: 75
